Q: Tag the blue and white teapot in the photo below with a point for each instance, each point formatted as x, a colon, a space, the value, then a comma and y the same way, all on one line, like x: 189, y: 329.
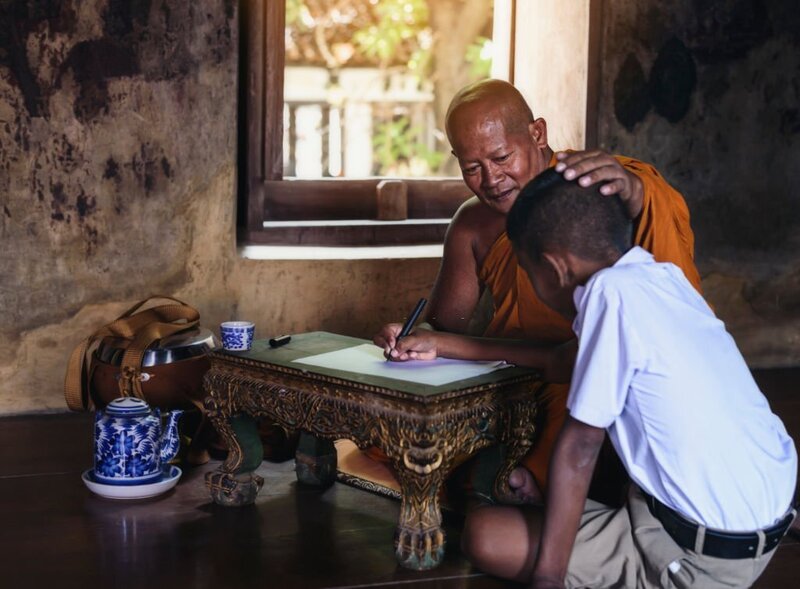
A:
x: 129, y: 445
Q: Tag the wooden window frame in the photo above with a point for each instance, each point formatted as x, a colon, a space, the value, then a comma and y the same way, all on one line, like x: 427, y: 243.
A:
x: 326, y: 212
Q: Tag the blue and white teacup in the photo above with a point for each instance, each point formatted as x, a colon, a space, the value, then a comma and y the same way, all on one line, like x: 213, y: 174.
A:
x: 237, y: 336
x: 129, y: 444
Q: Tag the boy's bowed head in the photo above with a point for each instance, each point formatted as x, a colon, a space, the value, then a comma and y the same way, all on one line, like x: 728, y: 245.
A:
x: 563, y: 233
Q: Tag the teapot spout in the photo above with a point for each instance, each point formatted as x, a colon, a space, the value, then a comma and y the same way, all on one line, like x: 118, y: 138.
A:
x: 170, y: 440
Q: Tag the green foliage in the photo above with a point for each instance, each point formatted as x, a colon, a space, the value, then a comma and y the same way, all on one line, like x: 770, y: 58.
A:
x: 399, y: 21
x: 293, y: 10
x: 402, y: 28
x: 479, y: 58
x: 396, y: 143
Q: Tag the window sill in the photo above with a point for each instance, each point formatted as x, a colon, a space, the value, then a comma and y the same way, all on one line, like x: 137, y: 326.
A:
x: 347, y: 233
x: 289, y: 252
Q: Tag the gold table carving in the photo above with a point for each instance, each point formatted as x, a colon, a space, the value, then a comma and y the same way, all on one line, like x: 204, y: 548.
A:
x: 426, y: 431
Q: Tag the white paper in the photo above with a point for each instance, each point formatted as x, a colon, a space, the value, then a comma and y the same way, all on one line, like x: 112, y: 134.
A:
x: 368, y: 359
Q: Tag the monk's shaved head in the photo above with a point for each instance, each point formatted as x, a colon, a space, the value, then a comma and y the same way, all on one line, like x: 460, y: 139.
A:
x: 490, y: 98
x: 554, y: 214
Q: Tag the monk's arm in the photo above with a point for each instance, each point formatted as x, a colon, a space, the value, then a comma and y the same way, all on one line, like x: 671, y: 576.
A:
x: 457, y: 288
x: 554, y: 361
x: 571, y: 467
x: 659, y: 212
x: 663, y: 227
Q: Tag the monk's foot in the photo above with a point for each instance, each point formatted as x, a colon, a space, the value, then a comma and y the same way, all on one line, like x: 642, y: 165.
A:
x: 524, y: 487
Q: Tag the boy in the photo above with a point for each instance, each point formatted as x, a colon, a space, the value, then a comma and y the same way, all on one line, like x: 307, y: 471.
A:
x: 713, y: 469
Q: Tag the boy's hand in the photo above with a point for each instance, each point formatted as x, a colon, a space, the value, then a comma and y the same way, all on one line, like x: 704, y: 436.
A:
x: 420, y: 344
x: 591, y: 167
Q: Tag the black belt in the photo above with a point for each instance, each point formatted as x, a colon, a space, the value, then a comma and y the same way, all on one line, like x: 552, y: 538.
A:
x: 717, y: 543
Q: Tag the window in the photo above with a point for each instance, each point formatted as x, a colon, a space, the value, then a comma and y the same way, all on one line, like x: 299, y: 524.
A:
x: 316, y: 160
x: 316, y: 172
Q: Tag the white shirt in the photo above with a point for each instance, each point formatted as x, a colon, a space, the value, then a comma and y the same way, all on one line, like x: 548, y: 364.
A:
x: 660, y: 372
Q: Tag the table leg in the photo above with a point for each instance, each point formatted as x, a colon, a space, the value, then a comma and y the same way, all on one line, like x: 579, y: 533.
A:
x: 315, y: 461
x: 419, y: 540
x: 234, y: 483
x: 518, y: 435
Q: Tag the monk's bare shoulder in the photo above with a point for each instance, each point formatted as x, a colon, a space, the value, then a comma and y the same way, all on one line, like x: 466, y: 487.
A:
x: 458, y: 287
x: 476, y: 225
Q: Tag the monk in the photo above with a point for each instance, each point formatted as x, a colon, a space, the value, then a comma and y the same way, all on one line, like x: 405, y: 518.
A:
x: 500, y: 147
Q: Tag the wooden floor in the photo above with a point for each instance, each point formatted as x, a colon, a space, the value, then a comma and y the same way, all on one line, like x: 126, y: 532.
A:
x: 55, y: 533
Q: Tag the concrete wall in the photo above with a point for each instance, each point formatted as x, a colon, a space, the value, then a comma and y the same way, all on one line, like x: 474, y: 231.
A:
x: 709, y: 92
x: 117, y: 181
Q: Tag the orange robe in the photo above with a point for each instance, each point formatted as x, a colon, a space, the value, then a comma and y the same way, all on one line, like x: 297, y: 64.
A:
x: 662, y: 228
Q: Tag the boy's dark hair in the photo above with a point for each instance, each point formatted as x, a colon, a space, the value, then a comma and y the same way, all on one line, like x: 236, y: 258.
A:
x: 554, y: 213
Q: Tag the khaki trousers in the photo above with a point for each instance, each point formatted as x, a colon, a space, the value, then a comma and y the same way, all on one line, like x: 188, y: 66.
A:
x: 628, y: 548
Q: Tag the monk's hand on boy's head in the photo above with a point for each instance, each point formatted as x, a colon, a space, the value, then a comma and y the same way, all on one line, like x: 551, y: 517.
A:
x: 593, y: 166
x: 421, y: 344
x: 386, y: 338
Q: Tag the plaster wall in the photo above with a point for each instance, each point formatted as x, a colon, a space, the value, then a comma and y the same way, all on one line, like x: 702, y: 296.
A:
x: 117, y: 181
x: 117, y: 174
x: 709, y: 93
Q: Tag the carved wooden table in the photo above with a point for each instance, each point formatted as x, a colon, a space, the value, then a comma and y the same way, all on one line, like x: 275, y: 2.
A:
x: 426, y: 431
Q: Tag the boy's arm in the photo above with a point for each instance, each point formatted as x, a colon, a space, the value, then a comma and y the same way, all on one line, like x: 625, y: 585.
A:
x: 571, y: 467
x: 555, y: 362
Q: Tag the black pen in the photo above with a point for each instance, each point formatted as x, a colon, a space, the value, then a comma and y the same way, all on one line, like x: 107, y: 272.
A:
x: 277, y: 342
x: 409, y: 324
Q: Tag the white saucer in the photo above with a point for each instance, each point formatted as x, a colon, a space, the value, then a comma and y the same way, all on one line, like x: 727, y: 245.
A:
x: 168, y: 480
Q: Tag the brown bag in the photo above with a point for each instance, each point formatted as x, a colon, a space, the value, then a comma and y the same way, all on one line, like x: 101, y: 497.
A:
x: 91, y: 383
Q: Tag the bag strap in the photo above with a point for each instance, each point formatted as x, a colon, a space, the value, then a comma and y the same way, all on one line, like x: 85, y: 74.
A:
x: 140, y: 328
